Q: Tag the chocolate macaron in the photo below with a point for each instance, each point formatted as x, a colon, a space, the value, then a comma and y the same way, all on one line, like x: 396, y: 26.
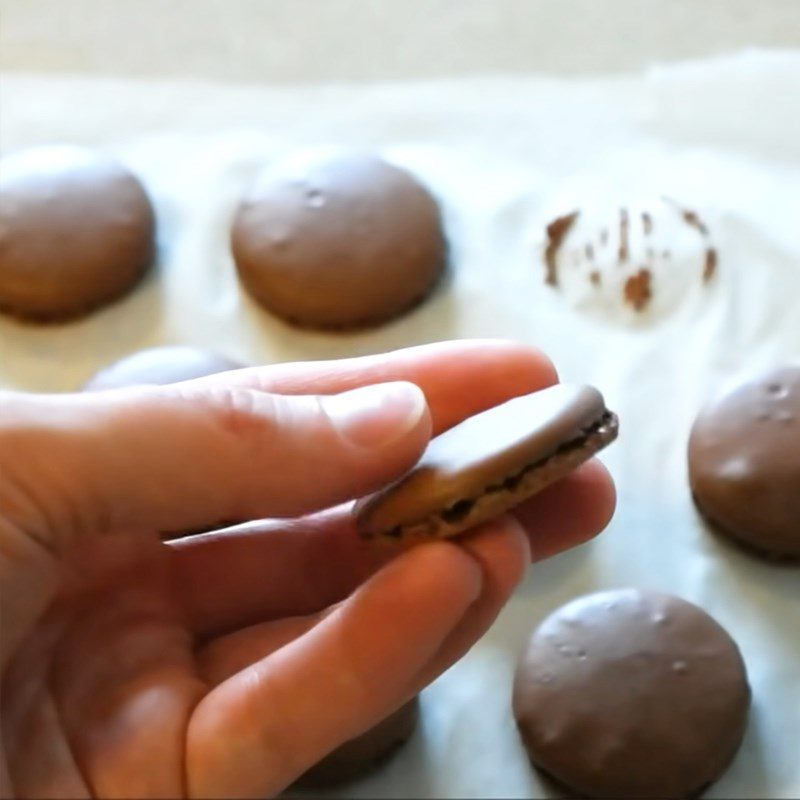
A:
x: 77, y: 231
x: 631, y: 693
x: 489, y: 463
x: 338, y: 241
x: 366, y: 752
x: 159, y: 366
x: 744, y: 463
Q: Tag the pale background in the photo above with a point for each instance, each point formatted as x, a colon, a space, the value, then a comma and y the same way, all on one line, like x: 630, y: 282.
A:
x: 336, y: 40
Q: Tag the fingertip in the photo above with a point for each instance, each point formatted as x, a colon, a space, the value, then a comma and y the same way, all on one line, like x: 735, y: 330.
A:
x: 502, y: 547
x: 528, y: 365
x: 570, y: 512
x: 445, y: 565
x: 598, y: 481
x: 592, y: 489
x: 543, y: 370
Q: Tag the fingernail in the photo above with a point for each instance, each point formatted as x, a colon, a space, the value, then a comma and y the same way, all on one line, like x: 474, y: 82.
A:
x: 376, y: 416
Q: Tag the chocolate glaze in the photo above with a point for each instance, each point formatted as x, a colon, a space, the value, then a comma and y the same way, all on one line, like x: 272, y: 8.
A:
x: 364, y: 753
x: 480, y: 454
x: 630, y: 693
x: 744, y: 463
x: 76, y: 231
x: 338, y: 242
x: 159, y: 366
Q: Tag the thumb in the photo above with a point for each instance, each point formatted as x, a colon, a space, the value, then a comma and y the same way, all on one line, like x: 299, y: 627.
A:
x: 186, y: 456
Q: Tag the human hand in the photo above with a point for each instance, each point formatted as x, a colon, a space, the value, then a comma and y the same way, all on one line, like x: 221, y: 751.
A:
x: 226, y: 664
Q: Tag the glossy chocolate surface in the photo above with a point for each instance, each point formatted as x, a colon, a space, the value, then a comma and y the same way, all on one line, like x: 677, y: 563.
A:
x: 338, y: 241
x: 631, y: 693
x: 744, y: 463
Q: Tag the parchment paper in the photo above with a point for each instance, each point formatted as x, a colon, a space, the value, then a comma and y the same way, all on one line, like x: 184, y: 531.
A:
x: 504, y: 156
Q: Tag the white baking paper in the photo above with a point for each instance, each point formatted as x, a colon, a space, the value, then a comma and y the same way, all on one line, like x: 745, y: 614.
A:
x: 504, y: 155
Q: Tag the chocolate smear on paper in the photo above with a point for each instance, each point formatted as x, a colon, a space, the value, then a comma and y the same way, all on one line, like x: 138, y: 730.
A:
x: 624, y: 247
x: 710, y: 265
x: 556, y: 231
x: 638, y: 289
x: 691, y: 218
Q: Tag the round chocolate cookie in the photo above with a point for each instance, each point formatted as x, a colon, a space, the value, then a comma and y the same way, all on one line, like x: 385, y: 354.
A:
x: 362, y: 754
x: 744, y: 463
x: 159, y: 366
x: 490, y: 463
x: 338, y: 242
x: 76, y: 232
x: 631, y: 694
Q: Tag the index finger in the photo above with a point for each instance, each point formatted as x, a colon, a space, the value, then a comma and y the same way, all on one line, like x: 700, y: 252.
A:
x: 459, y: 378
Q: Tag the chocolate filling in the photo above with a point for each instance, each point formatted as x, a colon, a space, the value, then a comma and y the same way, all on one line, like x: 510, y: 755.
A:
x: 457, y: 511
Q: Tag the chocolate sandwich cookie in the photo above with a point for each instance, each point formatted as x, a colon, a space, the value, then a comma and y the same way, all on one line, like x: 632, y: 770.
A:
x: 361, y: 755
x: 489, y: 463
x: 631, y: 693
x: 76, y: 232
x: 159, y: 366
x: 338, y: 242
x: 744, y: 463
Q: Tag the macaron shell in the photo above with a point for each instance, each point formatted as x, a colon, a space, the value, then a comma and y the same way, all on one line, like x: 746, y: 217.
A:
x: 76, y: 231
x: 340, y: 241
x: 483, y: 452
x: 630, y: 693
x: 744, y: 463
